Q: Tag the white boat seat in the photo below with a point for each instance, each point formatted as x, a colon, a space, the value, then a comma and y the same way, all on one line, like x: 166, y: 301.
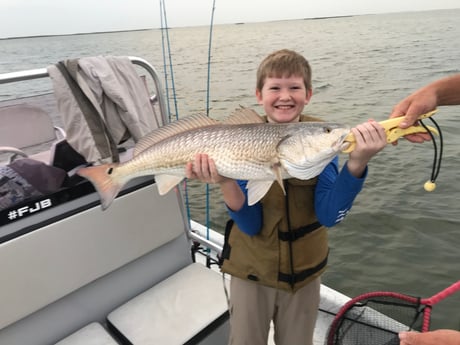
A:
x: 24, y: 126
x: 173, y: 311
x: 92, y: 334
x: 13, y: 151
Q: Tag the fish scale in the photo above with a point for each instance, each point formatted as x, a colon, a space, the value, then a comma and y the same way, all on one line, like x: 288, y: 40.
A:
x: 246, y: 150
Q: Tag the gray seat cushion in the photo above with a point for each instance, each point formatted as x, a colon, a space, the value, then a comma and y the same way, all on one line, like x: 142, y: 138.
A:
x: 173, y: 311
x: 92, y: 334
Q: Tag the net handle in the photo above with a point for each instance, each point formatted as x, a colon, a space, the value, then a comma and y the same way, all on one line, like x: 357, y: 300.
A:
x: 429, y: 302
x: 442, y: 294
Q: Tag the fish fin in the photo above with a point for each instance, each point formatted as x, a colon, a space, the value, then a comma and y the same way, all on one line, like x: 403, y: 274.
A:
x: 242, y: 116
x: 173, y: 128
x: 104, y: 183
x: 276, y: 168
x: 167, y: 182
x: 257, y: 190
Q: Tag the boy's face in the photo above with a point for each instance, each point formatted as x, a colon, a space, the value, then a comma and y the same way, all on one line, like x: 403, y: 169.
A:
x: 283, y: 98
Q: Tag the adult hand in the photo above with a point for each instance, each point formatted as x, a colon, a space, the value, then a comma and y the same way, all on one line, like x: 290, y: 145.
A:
x: 438, y: 337
x: 420, y: 102
x: 444, y: 91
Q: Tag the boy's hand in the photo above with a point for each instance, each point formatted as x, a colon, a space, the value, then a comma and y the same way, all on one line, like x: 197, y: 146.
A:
x: 204, y: 169
x: 370, y: 139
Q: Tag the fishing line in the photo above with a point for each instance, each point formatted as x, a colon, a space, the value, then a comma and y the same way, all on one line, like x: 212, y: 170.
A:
x: 431, y: 184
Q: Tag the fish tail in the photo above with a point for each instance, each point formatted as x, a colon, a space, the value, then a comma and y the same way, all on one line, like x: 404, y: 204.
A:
x: 103, y: 180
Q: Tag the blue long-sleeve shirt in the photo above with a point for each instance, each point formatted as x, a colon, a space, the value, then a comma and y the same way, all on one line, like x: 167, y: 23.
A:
x: 334, y: 196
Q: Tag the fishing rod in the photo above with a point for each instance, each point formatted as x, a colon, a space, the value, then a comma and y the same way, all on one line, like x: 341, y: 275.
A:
x: 209, y: 57
x: 165, y: 31
x: 208, y: 194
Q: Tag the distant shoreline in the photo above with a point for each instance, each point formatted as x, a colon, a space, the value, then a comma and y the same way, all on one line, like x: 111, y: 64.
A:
x: 180, y: 27
x: 147, y: 29
x: 307, y: 18
x: 332, y: 17
x: 76, y: 34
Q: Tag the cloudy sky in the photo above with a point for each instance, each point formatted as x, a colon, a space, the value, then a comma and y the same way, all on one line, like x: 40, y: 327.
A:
x: 53, y: 17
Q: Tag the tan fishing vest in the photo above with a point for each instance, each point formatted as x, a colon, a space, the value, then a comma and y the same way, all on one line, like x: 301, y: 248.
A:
x: 288, y: 252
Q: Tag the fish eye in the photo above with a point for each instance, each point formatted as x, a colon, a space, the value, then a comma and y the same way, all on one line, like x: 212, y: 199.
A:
x: 327, y: 129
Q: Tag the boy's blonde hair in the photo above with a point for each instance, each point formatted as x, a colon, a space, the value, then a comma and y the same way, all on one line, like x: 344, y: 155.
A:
x: 284, y: 63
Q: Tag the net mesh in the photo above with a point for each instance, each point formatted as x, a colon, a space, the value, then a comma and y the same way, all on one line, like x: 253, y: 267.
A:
x: 376, y: 321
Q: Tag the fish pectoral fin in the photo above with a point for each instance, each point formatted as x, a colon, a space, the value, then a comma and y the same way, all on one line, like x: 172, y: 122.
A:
x: 257, y: 190
x: 167, y: 182
x: 276, y: 168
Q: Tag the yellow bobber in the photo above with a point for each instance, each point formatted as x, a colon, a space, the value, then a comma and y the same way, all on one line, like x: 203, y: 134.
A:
x: 429, y: 186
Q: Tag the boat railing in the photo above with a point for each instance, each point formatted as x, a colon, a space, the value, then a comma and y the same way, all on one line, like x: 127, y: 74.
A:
x: 27, y: 75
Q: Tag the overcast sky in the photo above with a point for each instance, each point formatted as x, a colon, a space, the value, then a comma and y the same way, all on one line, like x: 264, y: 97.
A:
x: 51, y: 17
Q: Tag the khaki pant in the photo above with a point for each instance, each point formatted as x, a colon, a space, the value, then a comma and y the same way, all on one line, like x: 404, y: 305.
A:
x: 253, y: 306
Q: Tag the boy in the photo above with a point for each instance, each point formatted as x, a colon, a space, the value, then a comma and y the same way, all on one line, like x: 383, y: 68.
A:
x: 277, y: 249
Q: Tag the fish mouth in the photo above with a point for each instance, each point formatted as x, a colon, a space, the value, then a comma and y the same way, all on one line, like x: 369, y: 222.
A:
x: 340, y: 144
x: 344, y: 146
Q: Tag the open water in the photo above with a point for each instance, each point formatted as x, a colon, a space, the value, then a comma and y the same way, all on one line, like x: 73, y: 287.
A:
x: 397, y: 237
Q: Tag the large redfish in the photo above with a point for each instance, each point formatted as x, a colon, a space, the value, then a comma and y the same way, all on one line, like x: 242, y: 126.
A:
x: 243, y: 147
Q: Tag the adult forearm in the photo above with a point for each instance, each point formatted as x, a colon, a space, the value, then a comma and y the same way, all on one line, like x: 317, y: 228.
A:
x: 447, y: 90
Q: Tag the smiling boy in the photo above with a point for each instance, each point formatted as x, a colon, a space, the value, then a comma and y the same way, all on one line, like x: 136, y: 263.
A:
x: 277, y: 249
